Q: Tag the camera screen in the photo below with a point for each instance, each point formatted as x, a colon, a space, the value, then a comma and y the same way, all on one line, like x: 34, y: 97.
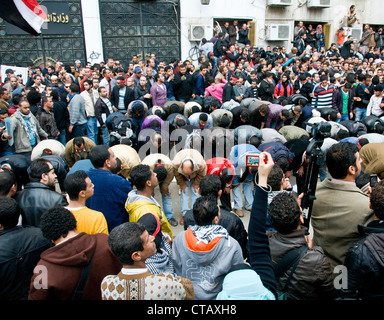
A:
x: 252, y: 161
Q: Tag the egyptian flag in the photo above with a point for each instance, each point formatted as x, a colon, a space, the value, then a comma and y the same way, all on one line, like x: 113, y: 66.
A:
x: 25, y: 14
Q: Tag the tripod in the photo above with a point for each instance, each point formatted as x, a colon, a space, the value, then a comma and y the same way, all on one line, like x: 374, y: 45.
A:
x: 314, y: 153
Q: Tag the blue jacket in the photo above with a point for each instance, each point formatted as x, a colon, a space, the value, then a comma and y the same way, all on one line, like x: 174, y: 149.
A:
x: 109, y: 197
x: 199, y: 83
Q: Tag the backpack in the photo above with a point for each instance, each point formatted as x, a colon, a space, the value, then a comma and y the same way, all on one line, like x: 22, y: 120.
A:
x: 290, y: 261
x: 117, y: 122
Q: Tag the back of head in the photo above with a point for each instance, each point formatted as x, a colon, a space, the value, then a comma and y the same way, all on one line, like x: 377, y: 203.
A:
x: 98, y: 155
x: 203, y: 117
x: 284, y: 164
x: 363, y: 141
x: 225, y: 122
x: 137, y: 108
x: 205, y: 209
x: 55, y: 95
x: 57, y: 222
x: 74, y: 183
x: 161, y: 173
x: 341, y: 134
x: 7, y: 180
x: 174, y: 108
x: 255, y: 141
x: 275, y: 177
x: 377, y: 200
x: 139, y: 176
x: 245, y: 114
x: 33, y: 97
x: 152, y: 225
x: 37, y: 168
x: 226, y: 177
x: 73, y: 87
x: 339, y: 157
x: 125, y: 239
x: 379, y: 128
x: 284, y: 213
x: 9, y: 212
x: 180, y: 122
x: 78, y: 141
x: 264, y: 109
x: 210, y: 184
x: 285, y: 113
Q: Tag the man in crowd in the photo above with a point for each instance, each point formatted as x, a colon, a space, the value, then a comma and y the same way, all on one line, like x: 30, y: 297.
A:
x: 77, y: 114
x: 47, y: 119
x: 110, y: 190
x: 39, y: 194
x: 337, y: 199
x: 72, y: 255
x: 26, y: 131
x: 80, y: 188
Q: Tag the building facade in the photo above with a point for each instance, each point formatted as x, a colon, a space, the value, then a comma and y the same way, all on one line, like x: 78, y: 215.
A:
x: 95, y: 30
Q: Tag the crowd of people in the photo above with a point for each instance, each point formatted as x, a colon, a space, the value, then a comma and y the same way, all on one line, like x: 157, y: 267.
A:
x: 85, y: 147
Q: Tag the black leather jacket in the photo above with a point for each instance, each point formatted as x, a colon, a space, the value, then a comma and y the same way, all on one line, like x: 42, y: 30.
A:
x: 35, y: 199
x: 20, y: 251
x: 365, y: 264
x: 313, y: 278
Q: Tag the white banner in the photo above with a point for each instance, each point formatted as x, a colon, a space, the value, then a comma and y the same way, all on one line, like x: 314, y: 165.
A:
x: 17, y: 70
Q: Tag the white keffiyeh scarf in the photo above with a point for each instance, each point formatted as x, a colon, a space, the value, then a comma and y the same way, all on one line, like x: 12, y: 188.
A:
x: 208, y: 233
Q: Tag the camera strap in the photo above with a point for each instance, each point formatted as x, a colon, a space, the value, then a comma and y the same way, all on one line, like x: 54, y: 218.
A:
x: 289, y: 261
x: 77, y: 294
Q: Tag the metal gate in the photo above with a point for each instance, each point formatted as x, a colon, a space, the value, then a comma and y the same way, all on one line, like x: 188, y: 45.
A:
x: 140, y: 28
x: 23, y: 49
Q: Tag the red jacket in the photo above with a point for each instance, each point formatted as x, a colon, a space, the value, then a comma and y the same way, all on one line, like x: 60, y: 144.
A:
x: 216, y: 165
x: 279, y: 90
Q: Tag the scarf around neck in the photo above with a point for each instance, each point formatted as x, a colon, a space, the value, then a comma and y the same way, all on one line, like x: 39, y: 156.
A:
x: 207, y: 233
x: 28, y: 124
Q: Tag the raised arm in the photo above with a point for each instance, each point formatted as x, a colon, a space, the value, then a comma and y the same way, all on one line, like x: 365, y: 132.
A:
x: 258, y: 243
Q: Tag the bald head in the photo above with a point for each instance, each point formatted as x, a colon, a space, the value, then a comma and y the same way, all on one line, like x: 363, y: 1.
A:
x: 187, y: 167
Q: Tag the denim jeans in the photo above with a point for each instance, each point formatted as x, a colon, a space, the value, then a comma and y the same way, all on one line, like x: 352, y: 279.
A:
x: 247, y: 191
x: 92, y: 129
x: 344, y: 116
x: 62, y: 137
x: 167, y: 206
x: 105, y: 132
x: 79, y: 130
x: 185, y: 197
x: 360, y: 114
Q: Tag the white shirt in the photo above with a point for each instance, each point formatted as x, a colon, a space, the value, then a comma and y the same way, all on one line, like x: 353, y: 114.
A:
x: 374, y: 106
x: 121, y: 105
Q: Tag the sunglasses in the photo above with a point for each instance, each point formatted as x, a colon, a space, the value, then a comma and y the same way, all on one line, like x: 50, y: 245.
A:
x: 49, y: 170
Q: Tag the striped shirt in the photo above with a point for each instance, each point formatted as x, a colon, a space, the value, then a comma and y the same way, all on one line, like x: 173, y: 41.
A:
x: 323, y: 96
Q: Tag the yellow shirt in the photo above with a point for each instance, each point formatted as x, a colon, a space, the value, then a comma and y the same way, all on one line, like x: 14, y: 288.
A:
x: 89, y: 221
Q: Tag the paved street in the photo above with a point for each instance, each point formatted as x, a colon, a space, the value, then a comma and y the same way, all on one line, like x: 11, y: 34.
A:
x: 174, y: 189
